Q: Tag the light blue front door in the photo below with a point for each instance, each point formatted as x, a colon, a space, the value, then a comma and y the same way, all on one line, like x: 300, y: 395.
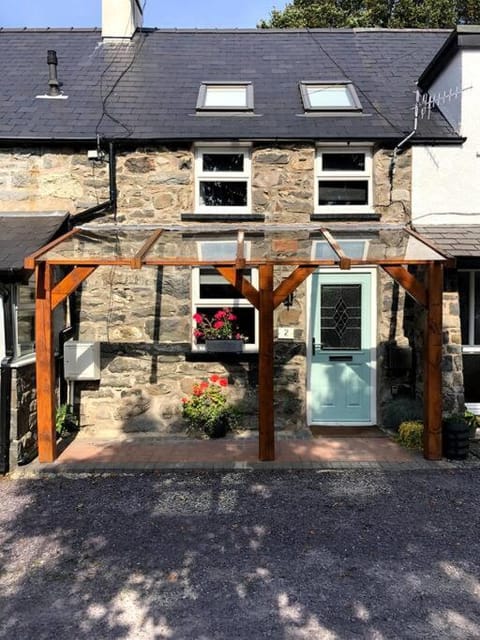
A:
x: 341, y: 381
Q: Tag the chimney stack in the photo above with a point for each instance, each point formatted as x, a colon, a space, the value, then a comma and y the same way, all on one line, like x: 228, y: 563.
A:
x: 121, y: 18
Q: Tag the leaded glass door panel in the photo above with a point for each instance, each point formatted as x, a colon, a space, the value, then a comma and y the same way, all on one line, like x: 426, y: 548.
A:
x: 341, y: 380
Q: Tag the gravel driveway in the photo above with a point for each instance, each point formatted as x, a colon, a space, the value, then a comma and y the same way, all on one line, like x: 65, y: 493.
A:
x: 306, y: 555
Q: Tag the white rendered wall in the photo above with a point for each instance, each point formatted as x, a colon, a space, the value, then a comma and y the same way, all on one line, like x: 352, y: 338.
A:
x: 446, y: 179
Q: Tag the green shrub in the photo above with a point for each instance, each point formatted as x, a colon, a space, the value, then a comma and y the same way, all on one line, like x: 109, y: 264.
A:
x: 410, y: 434
x: 402, y: 409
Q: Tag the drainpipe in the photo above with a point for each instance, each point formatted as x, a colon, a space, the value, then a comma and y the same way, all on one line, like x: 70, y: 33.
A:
x: 402, y: 143
x: 6, y: 387
x: 99, y: 210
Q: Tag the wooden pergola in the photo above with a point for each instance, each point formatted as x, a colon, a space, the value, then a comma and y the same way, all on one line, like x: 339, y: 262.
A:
x: 391, y: 247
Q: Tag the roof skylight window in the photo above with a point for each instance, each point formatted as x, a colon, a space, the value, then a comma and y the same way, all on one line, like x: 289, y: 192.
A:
x: 225, y: 96
x: 329, y: 96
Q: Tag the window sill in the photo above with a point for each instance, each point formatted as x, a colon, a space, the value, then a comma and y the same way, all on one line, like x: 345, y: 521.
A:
x: 345, y: 216
x: 203, y: 356
x: 222, y: 217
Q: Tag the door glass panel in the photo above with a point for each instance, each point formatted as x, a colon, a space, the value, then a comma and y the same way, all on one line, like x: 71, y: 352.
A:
x: 341, y: 316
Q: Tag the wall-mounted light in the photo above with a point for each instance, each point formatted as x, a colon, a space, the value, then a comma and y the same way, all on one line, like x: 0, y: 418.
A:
x: 288, y: 302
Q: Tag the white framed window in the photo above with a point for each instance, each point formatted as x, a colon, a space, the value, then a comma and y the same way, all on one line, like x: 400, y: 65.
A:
x: 222, y: 179
x: 23, y: 307
x: 225, y: 96
x: 343, y: 180
x: 211, y: 293
x: 329, y: 96
x: 469, y: 298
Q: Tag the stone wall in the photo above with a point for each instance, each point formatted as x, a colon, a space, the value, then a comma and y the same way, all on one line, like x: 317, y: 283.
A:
x: 23, y: 409
x: 143, y: 318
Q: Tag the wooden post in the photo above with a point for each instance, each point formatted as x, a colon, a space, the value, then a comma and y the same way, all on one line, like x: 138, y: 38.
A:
x: 432, y: 441
x: 45, y: 365
x: 266, y: 443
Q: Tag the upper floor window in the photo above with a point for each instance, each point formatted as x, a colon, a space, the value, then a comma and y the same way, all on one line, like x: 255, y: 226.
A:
x: 222, y: 179
x: 343, y: 181
x: 225, y: 96
x: 329, y: 96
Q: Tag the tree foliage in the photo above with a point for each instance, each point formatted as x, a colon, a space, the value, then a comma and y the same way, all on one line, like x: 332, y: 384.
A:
x: 430, y: 14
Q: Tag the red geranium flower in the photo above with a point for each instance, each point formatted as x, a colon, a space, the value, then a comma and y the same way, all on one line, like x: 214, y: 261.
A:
x: 214, y: 378
x: 223, y: 382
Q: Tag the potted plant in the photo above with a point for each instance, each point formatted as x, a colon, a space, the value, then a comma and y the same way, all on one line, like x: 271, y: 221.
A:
x: 66, y: 421
x: 219, y: 332
x: 206, y: 411
x: 471, y: 419
x: 456, y: 433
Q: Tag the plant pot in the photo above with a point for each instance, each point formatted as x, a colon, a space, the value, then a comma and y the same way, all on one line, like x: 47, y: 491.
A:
x: 217, y: 429
x: 224, y: 346
x: 456, y: 433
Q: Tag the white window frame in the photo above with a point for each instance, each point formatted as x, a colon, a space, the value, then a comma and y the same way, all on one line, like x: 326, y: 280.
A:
x: 366, y: 174
x: 219, y: 303
x: 3, y: 350
x: 227, y: 176
x: 247, y: 86
x: 471, y: 347
x: 17, y: 356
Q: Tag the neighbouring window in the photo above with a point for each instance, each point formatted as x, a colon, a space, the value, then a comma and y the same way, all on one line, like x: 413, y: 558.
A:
x: 329, y: 96
x: 222, y: 179
x: 225, y: 96
x: 23, y: 306
x: 469, y: 298
x: 211, y: 292
x: 343, y: 180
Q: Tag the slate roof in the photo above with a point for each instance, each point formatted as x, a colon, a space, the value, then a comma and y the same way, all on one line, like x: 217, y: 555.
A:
x: 457, y: 240
x: 17, y: 239
x: 147, y: 89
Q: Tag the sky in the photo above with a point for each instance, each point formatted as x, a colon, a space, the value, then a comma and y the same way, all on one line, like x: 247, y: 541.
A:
x: 158, y: 13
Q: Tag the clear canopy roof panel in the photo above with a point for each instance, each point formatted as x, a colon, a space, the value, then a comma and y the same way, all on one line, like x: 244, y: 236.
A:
x: 253, y: 244
x: 99, y: 244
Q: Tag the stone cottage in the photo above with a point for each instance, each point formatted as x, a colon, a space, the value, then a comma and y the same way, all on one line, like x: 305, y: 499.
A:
x: 128, y: 128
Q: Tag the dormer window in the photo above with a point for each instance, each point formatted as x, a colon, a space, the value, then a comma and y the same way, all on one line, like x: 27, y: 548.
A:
x: 329, y: 96
x: 225, y: 96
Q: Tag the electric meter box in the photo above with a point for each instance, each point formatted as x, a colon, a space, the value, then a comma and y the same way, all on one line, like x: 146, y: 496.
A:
x: 81, y: 360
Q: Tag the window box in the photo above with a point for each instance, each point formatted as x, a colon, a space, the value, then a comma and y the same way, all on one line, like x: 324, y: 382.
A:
x: 224, y: 346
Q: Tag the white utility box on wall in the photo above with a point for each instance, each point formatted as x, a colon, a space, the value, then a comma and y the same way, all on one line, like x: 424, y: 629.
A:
x: 81, y: 360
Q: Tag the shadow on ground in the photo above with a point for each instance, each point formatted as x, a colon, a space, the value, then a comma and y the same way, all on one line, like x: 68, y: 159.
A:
x: 283, y: 555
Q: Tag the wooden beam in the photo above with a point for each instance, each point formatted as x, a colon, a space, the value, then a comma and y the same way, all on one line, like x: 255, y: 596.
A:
x: 432, y: 436
x: 45, y: 365
x: 345, y: 261
x: 289, y: 284
x: 136, y: 262
x: 266, y: 441
x: 235, y: 277
x: 29, y: 262
x: 408, y: 281
x: 69, y: 284
x: 240, y: 259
